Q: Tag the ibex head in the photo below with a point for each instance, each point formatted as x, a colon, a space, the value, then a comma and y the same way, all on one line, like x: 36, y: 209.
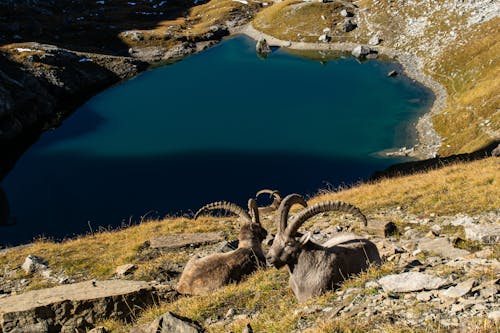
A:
x: 286, y: 246
x: 251, y: 232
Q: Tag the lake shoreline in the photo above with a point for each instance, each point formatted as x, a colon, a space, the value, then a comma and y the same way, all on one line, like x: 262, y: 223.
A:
x: 428, y: 140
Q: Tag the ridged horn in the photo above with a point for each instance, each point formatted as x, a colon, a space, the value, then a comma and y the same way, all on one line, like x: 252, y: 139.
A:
x: 321, y: 207
x: 253, y: 209
x: 284, y: 209
x: 223, y: 205
x: 274, y: 193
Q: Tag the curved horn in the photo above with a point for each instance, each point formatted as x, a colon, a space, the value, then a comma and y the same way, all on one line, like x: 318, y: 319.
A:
x: 253, y: 209
x: 223, y: 205
x: 284, y: 208
x: 320, y: 208
x: 275, y: 193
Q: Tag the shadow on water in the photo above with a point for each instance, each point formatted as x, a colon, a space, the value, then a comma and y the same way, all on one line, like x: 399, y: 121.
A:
x: 113, y: 191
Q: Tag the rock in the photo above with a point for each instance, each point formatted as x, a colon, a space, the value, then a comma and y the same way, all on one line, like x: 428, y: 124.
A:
x: 177, y: 241
x: 489, y: 234
x: 75, y: 307
x: 459, y: 290
x: 375, y: 40
x: 170, y: 323
x: 496, y: 152
x: 442, y: 247
x: 411, y: 281
x: 324, y: 38
x: 228, y: 246
x: 361, y: 51
x: 494, y: 315
x: 425, y: 296
x: 372, y: 284
x: 124, y: 270
x: 463, y: 221
x: 98, y: 329
x: 348, y: 25
x: 392, y: 73
x: 247, y: 329
x: 345, y: 13
x: 262, y: 47
x: 34, y: 264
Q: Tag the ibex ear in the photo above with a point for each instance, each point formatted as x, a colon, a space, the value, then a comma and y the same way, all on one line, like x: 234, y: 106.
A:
x: 304, y: 238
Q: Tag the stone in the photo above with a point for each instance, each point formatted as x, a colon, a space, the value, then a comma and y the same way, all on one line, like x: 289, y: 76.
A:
x: 348, y: 25
x: 489, y: 234
x: 98, y: 329
x: 372, y: 284
x: 345, y: 13
x: 361, y: 51
x: 494, y: 315
x: 324, y: 38
x: 411, y: 281
x: 425, y: 296
x: 170, y: 323
x: 124, y: 270
x: 392, y: 73
x: 441, y: 247
x: 178, y: 241
x: 247, y: 329
x: 459, y: 290
x: 262, y: 47
x: 75, y: 307
x: 375, y: 40
x: 496, y: 152
x: 33, y: 264
x: 463, y: 221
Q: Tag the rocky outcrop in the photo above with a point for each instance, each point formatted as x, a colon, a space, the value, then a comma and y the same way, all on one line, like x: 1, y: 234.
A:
x: 169, y: 323
x: 74, y: 307
x: 41, y: 84
x: 262, y: 47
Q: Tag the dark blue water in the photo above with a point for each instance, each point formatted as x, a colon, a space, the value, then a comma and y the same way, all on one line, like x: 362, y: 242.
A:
x: 221, y: 124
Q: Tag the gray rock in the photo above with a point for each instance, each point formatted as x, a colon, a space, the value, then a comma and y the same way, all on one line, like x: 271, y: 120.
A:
x: 33, y: 264
x: 441, y: 247
x: 494, y: 315
x: 348, y: 25
x: 262, y: 47
x: 459, y: 290
x: 98, y: 329
x: 489, y: 234
x: 392, y: 73
x: 324, y: 38
x: 361, y: 51
x: 247, y: 329
x: 463, y: 221
x: 177, y: 241
x: 124, y: 270
x: 411, y: 281
x: 169, y: 323
x: 496, y: 151
x: 375, y: 40
x: 74, y: 307
x: 425, y: 296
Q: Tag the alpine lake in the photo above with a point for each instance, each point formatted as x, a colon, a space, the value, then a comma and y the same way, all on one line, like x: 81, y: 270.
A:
x: 218, y: 125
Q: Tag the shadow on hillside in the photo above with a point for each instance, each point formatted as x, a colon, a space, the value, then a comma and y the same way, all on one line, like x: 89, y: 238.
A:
x: 409, y: 168
x: 88, y: 26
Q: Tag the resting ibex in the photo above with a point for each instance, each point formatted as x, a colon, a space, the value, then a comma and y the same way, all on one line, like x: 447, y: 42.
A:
x: 316, y: 268
x: 202, y: 275
x: 274, y: 205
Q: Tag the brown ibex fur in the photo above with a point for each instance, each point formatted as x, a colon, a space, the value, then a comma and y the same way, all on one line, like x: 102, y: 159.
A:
x: 206, y: 274
x: 316, y: 268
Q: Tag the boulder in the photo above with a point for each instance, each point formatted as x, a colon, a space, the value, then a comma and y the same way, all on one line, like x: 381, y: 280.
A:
x: 324, y: 38
x: 124, y: 270
x: 496, y: 151
x: 262, y: 47
x: 392, y: 73
x: 489, y: 234
x: 375, y: 40
x: 34, y: 264
x: 441, y: 247
x: 348, y: 25
x: 361, y: 51
x: 411, y: 281
x: 74, y: 307
x: 177, y: 241
x: 168, y: 323
x: 459, y: 290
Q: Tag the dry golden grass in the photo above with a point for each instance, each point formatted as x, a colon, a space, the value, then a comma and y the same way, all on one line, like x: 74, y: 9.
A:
x: 464, y: 187
x: 295, y: 20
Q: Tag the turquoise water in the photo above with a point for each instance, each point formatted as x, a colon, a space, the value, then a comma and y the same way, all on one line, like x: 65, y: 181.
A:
x: 218, y: 125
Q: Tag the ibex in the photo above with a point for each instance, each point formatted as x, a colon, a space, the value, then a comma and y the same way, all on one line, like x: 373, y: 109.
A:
x: 206, y: 274
x: 316, y: 268
x: 274, y: 205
